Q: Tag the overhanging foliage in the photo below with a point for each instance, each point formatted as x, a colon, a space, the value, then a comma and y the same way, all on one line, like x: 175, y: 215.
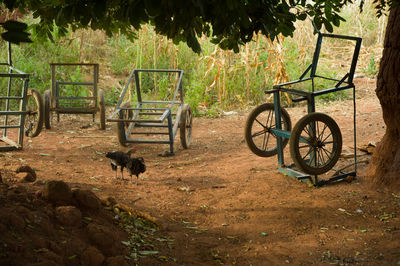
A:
x: 229, y: 22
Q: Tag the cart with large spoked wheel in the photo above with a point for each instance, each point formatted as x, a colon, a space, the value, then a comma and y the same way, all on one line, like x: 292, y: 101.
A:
x: 140, y: 119
x: 315, y: 141
x: 21, y: 108
x: 76, y: 93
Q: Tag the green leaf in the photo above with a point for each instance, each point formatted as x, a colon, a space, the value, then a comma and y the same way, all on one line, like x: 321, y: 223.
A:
x: 148, y: 252
x: 16, y: 37
x: 88, y: 219
x: 126, y: 243
x: 328, y: 26
x: 72, y: 257
x: 302, y: 16
x: 12, y: 25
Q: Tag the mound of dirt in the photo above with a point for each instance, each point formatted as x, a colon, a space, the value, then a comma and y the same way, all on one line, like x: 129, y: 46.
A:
x: 52, y: 224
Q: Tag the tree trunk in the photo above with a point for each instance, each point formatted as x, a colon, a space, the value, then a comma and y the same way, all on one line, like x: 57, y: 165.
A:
x: 384, y: 169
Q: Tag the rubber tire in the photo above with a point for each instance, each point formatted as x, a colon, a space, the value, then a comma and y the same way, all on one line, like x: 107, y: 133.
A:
x: 295, y: 138
x: 121, y: 125
x: 40, y: 115
x: 102, y: 110
x: 47, y: 109
x: 286, y: 125
x: 185, y: 126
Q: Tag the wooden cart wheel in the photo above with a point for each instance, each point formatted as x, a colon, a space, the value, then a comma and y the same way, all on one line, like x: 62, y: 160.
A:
x: 34, y: 117
x: 48, y: 116
x: 185, y: 126
x: 257, y: 131
x: 102, y: 109
x: 315, y: 143
x: 122, y: 127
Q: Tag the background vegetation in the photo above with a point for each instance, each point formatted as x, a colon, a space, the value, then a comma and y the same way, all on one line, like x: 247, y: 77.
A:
x: 214, y: 80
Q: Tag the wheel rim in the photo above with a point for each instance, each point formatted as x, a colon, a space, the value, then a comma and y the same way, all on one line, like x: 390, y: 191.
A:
x: 320, y: 145
x: 122, y: 127
x: 32, y: 117
x: 317, y: 143
x: 261, y: 131
x: 188, y: 125
x: 102, y: 109
x: 47, y: 109
x: 185, y: 125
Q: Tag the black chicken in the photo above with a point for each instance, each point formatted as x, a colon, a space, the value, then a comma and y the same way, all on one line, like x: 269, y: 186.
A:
x: 121, y: 159
x: 135, y: 167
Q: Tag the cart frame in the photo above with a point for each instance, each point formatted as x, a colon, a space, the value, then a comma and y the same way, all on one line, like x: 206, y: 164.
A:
x: 346, y: 82
x: 183, y: 117
x: 52, y: 97
x: 23, y: 112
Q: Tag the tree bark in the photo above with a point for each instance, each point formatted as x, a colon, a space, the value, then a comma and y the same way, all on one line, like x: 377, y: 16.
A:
x: 384, y: 169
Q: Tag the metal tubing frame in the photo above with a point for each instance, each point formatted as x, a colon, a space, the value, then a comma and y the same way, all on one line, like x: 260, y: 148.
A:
x: 10, y: 144
x: 54, y: 106
x: 347, y: 82
x: 166, y: 114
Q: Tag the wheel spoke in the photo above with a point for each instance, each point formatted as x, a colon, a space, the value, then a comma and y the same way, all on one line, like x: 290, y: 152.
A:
x: 330, y: 134
x: 320, y: 136
x: 305, y: 146
x: 308, y: 153
x: 328, y: 153
x: 258, y: 133
x: 320, y: 156
x: 307, y: 131
x: 269, y: 116
x: 266, y: 142
x: 260, y: 123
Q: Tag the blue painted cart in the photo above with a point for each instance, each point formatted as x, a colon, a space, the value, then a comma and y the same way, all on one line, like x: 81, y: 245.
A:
x: 141, y: 120
x: 315, y: 142
x: 21, y: 108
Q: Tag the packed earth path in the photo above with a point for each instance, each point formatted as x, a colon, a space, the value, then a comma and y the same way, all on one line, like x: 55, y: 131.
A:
x: 218, y: 203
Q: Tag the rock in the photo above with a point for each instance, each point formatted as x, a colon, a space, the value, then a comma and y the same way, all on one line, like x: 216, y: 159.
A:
x: 25, y: 177
x: 3, y: 228
x: 92, y: 256
x: 69, y: 215
x: 53, y: 257
x: 108, y: 201
x: 27, y: 169
x: 100, y: 236
x: 116, y: 261
x: 57, y: 192
x: 44, y: 263
x: 12, y: 220
x: 16, y: 193
x: 3, y: 190
x: 87, y: 199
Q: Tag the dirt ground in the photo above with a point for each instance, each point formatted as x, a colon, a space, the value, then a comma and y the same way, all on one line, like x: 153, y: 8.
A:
x: 220, y: 204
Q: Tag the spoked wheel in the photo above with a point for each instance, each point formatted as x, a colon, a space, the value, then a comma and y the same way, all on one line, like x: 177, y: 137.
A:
x: 185, y: 126
x: 315, y: 143
x: 122, y: 127
x: 258, y: 135
x: 34, y: 116
x: 102, y: 110
x: 48, y: 116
